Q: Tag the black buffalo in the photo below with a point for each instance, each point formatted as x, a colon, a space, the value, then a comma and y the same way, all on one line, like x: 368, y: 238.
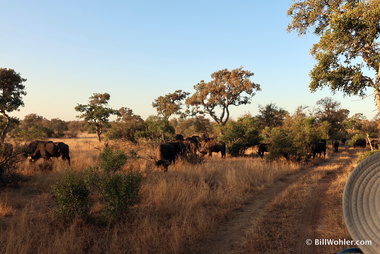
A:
x: 180, y: 148
x: 360, y: 143
x: 375, y: 144
x: 211, y: 146
x: 48, y: 149
x: 335, y: 145
x: 263, y: 148
x: 166, y: 156
x: 318, y: 148
x: 63, y: 151
x: 169, y: 152
x: 191, y: 143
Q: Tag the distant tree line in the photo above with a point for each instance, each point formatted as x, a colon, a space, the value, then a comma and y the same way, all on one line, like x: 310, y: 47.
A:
x: 204, y: 113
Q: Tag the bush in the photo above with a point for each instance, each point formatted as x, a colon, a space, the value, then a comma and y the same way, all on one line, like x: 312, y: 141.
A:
x: 293, y: 140
x: 72, y: 196
x: 355, y: 138
x: 112, y: 160
x: 281, y: 145
x: 119, y: 192
x: 364, y: 155
x: 8, y: 161
x: 240, y: 134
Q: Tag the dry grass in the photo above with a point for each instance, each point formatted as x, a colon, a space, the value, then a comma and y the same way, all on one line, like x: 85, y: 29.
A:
x: 332, y: 224
x: 178, y: 209
x: 310, y: 208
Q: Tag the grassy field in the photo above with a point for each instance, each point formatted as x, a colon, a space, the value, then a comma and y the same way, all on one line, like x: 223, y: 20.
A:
x: 178, y: 209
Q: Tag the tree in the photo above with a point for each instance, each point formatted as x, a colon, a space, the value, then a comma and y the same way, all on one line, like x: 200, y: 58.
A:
x: 240, y: 134
x: 12, y: 90
x: 227, y: 88
x: 329, y: 110
x: 96, y: 113
x: 59, y: 126
x: 157, y: 129
x: 170, y: 104
x: 354, y: 124
x: 126, y: 126
x: 191, y: 126
x: 293, y: 139
x: 33, y: 127
x: 349, y: 31
x: 74, y: 128
x: 271, y: 116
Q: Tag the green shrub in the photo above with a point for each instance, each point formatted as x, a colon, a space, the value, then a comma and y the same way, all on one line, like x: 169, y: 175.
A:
x: 112, y: 160
x: 355, y: 138
x: 119, y: 192
x: 72, y: 196
x: 364, y: 155
x: 8, y: 162
x: 116, y: 191
x: 281, y: 145
x: 239, y: 135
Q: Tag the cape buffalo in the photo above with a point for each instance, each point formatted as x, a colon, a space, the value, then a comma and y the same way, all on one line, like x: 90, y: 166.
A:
x: 360, y: 143
x: 375, y: 144
x: 63, y: 151
x: 318, y: 147
x: 335, y: 145
x: 262, y: 149
x: 168, y: 153
x: 48, y: 149
x: 213, y: 146
x: 191, y: 143
x: 163, y: 163
x: 180, y: 148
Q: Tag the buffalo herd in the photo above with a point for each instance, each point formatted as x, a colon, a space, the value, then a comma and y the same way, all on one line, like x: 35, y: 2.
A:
x: 180, y: 148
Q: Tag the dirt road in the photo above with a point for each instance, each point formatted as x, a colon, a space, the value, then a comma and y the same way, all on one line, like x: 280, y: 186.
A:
x: 282, y: 217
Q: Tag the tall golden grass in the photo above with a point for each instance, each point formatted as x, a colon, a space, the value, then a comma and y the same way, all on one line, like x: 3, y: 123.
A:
x: 177, y: 210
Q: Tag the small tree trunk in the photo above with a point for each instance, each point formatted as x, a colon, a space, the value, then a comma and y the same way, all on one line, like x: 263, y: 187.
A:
x: 377, y: 90
x: 369, y: 142
x: 99, y: 132
x: 377, y: 97
x: 5, y: 130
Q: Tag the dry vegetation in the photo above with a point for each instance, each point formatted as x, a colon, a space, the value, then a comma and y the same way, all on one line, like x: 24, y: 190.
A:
x: 177, y: 211
x: 310, y: 208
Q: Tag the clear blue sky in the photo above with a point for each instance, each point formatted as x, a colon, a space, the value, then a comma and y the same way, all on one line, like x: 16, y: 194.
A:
x: 139, y: 50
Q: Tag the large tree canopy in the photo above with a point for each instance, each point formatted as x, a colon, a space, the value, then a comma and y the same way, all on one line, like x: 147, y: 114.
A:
x: 227, y: 88
x: 170, y: 104
x: 271, y: 116
x: 349, y: 41
x: 11, y: 91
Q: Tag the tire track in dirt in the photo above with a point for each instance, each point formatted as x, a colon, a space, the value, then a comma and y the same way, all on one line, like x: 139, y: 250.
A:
x: 228, y: 237
x: 310, y: 217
